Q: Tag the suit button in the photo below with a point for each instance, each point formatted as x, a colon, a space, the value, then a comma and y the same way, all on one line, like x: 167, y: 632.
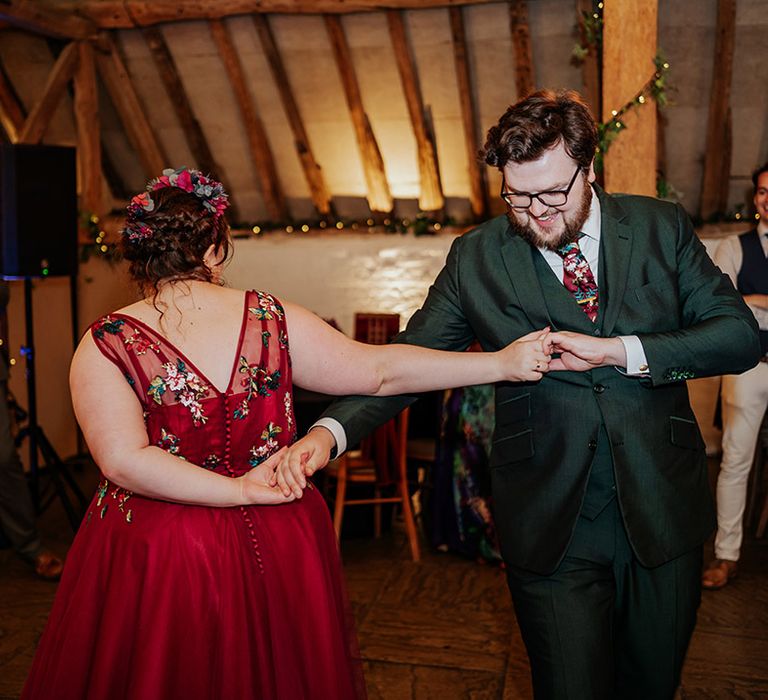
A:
x: 592, y: 444
x: 598, y: 388
x: 596, y: 331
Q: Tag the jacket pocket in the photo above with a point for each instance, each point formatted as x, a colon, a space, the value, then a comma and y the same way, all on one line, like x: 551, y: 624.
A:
x: 512, y: 449
x: 512, y: 411
x: 655, y: 291
x: 685, y: 433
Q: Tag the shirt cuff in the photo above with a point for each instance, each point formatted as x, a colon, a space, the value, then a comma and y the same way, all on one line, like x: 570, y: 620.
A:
x: 338, y: 433
x: 637, y: 363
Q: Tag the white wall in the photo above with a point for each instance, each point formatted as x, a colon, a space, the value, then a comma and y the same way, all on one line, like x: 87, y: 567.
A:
x: 332, y: 274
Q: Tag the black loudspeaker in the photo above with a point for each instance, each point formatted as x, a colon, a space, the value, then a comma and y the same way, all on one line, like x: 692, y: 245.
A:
x: 38, y: 211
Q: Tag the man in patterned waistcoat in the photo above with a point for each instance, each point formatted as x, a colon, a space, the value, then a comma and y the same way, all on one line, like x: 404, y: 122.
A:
x: 744, y: 397
x: 598, y: 470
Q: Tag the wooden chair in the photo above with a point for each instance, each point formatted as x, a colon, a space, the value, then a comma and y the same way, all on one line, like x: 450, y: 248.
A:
x: 376, y: 329
x: 360, y: 467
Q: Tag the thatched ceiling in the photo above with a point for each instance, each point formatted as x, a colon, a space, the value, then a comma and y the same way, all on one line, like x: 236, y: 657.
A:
x: 686, y: 34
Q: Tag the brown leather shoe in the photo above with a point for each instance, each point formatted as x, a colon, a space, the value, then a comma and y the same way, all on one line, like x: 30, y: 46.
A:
x: 48, y: 566
x: 718, y: 573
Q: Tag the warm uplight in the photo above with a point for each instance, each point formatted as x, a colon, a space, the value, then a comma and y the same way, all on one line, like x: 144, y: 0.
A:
x: 256, y: 229
x: 339, y: 225
x: 304, y: 228
x: 289, y: 229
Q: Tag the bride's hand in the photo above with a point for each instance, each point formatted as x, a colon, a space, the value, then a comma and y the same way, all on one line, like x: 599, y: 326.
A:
x: 292, y: 465
x: 528, y: 358
x: 255, y: 488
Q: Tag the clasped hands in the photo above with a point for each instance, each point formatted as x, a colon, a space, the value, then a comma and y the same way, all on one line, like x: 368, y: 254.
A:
x: 526, y: 359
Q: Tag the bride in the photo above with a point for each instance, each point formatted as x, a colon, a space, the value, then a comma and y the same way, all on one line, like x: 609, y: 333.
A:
x: 191, y: 576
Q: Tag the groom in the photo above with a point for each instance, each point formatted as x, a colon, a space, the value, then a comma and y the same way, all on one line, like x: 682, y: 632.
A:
x: 599, y: 474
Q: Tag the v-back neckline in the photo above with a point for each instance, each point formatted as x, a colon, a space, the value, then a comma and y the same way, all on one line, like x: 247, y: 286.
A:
x: 238, y: 348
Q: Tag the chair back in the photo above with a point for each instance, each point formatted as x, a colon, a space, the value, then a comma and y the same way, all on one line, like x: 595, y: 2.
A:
x: 376, y: 329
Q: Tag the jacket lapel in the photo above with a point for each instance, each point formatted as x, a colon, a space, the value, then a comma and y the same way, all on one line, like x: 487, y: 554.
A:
x: 518, y: 260
x: 616, y: 242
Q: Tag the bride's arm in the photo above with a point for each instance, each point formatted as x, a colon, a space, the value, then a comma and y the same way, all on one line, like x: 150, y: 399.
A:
x: 112, y: 421
x: 327, y: 361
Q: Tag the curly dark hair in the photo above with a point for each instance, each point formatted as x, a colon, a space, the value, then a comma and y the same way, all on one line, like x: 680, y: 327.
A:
x: 756, y: 175
x: 539, y: 122
x: 180, y: 231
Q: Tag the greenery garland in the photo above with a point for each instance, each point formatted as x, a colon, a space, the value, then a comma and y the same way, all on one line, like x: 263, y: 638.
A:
x: 654, y: 88
x: 89, y: 224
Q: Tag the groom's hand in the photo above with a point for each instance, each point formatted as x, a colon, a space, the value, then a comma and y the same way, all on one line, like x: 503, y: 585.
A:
x: 580, y: 353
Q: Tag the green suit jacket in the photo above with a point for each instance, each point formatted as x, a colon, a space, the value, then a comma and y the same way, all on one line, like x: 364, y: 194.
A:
x: 656, y: 282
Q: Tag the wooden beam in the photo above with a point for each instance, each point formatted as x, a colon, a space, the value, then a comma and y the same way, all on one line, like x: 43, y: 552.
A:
x: 521, y: 40
x: 261, y: 154
x: 170, y: 77
x: 128, y: 106
x: 717, y: 161
x: 46, y: 18
x: 431, y: 195
x: 379, y: 196
x: 41, y: 114
x: 590, y: 66
x: 88, y: 131
x: 629, y: 47
x: 312, y: 171
x: 478, y: 197
x: 11, y: 111
x: 124, y: 14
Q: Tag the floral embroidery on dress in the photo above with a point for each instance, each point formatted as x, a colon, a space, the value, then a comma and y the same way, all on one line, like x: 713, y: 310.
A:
x: 265, y: 336
x: 120, y: 494
x: 260, y: 453
x: 187, y: 387
x: 211, y: 461
x: 169, y: 442
x: 242, y: 410
x: 128, y: 378
x: 108, y: 325
x: 288, y: 411
x: 257, y: 382
x: 140, y: 343
x: 268, y: 308
x: 283, y: 339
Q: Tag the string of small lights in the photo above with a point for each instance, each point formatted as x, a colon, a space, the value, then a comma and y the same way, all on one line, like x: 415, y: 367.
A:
x: 654, y: 88
x: 97, y: 245
x: 420, y: 225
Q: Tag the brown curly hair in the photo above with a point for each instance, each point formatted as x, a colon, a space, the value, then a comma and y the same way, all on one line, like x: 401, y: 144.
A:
x: 181, y: 230
x: 536, y: 124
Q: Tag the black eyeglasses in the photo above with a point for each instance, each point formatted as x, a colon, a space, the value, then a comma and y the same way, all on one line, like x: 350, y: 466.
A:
x: 552, y: 198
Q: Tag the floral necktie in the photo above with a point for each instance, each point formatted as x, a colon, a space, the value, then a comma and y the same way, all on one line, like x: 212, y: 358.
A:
x: 578, y: 279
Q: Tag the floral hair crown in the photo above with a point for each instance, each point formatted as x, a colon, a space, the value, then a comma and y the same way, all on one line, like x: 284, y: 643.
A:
x: 210, y: 193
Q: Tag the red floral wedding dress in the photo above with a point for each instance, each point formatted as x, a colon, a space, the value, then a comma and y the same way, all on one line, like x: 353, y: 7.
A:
x: 167, y: 601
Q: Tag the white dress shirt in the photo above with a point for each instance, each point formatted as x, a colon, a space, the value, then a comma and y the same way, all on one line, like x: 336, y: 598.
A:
x: 729, y: 256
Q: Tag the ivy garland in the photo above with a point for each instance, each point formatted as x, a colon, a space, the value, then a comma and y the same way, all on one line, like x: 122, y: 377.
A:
x: 655, y: 89
x: 89, y: 223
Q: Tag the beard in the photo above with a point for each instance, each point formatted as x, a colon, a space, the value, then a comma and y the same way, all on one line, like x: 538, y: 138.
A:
x: 571, y: 231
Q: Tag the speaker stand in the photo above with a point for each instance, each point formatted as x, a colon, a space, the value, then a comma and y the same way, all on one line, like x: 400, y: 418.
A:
x: 55, y: 467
